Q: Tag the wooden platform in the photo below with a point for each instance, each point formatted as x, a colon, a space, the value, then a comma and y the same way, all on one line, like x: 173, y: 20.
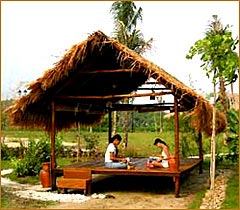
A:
x: 98, y: 167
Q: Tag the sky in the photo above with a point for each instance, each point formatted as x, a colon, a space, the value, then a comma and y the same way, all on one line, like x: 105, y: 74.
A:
x: 34, y: 34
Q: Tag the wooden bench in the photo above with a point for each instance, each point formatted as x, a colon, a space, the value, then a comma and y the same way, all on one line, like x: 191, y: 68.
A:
x: 75, y: 178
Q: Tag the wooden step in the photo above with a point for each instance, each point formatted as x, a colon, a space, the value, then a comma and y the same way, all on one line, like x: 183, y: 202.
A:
x: 77, y: 173
x: 74, y: 183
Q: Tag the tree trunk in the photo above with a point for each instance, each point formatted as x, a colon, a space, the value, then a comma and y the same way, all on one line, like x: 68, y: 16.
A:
x: 223, y: 100
x: 155, y: 122
x: 126, y: 126
x: 78, y: 140
x: 213, y: 152
x: 232, y: 99
x: 114, y: 131
x: 160, y: 122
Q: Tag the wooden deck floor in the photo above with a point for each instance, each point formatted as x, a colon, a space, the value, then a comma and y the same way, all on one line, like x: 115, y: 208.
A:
x: 97, y: 167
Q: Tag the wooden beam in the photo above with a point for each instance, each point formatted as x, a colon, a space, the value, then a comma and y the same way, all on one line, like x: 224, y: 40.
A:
x: 108, y: 71
x: 177, y: 186
x: 137, y: 107
x: 200, y: 145
x: 200, y: 151
x: 109, y: 124
x: 142, y: 107
x: 131, y: 95
x: 52, y: 157
x: 97, y: 109
x: 176, y: 125
x: 151, y: 88
x: 186, y: 100
x: 151, y: 83
x: 100, y: 109
x: 88, y: 109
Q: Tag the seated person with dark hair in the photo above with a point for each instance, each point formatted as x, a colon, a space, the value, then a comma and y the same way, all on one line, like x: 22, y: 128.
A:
x: 160, y: 160
x: 111, y: 157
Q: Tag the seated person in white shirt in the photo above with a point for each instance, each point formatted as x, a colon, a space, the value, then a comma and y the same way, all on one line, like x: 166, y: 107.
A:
x: 111, y: 155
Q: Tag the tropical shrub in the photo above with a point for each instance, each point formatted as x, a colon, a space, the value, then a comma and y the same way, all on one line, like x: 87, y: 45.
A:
x: 7, y: 153
x: 233, y: 135
x: 91, y: 141
x: 37, y: 153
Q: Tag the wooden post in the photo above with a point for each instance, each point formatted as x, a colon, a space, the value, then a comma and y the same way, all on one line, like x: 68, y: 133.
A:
x: 78, y: 141
x: 109, y: 124
x: 176, y: 125
x: 200, y: 151
x: 53, y: 160
x: 177, y: 186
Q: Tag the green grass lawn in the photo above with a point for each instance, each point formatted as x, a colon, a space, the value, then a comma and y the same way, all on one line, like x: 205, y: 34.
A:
x: 140, y: 143
x: 197, y: 201
x: 9, y: 200
x: 34, y: 134
x: 232, y: 191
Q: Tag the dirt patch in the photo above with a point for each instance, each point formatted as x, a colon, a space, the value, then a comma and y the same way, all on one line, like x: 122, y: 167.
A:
x: 142, y: 192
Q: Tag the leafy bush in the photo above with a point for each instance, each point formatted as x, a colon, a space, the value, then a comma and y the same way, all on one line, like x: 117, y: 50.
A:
x: 59, y: 148
x: 189, y: 137
x: 92, y: 141
x: 37, y: 153
x: 233, y: 136
x: 7, y: 153
x: 20, y: 167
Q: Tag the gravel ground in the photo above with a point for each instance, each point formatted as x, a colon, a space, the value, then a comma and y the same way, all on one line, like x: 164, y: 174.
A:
x: 219, y: 191
x: 39, y: 193
x: 124, y: 198
x: 157, y: 194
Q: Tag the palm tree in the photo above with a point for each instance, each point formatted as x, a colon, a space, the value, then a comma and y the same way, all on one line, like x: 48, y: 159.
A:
x: 125, y: 16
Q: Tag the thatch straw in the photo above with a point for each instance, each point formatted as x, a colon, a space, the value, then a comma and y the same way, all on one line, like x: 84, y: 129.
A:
x: 202, y: 118
x: 34, y: 109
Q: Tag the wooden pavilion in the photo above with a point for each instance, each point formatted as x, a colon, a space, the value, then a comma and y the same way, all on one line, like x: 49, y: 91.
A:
x: 89, y: 81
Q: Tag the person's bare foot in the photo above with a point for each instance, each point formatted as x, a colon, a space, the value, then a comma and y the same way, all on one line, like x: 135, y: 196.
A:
x: 132, y: 167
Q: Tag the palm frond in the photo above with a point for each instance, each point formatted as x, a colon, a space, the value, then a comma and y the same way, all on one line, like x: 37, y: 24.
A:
x: 126, y: 12
x: 126, y: 15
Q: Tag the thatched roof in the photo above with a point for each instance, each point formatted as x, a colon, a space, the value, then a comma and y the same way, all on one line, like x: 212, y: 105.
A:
x: 99, y: 66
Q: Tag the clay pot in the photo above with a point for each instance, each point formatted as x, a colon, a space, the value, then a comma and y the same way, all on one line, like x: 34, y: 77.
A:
x: 44, y: 175
x: 172, y: 163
